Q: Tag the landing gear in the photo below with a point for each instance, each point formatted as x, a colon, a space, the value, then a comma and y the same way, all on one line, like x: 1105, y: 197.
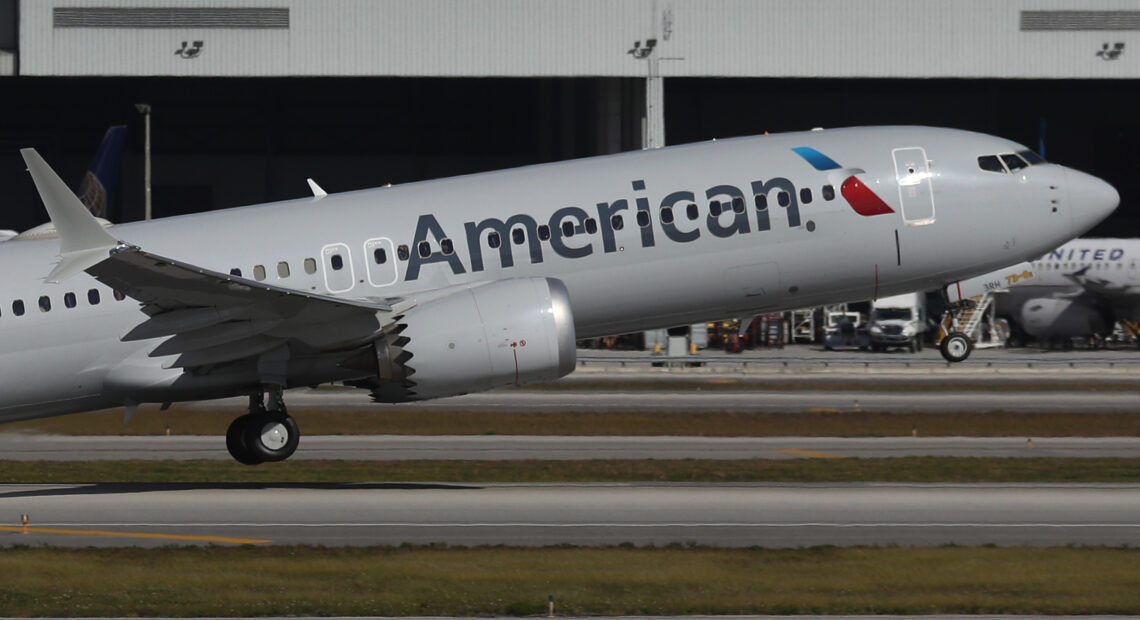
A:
x: 262, y: 436
x: 956, y: 347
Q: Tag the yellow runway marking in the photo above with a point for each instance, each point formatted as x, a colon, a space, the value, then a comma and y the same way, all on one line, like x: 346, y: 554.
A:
x: 811, y: 454
x: 45, y: 530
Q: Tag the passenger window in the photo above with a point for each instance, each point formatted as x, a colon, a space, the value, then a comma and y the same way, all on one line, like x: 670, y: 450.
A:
x: 828, y: 192
x: 402, y: 253
x: 567, y: 228
x: 761, y: 202
x: 69, y: 300
x: 591, y: 225
x: 1014, y: 163
x: 337, y: 262
x: 616, y: 222
x: 518, y: 235
x: 493, y: 240
x: 93, y: 296
x: 259, y: 270
x: 783, y: 198
x: 544, y: 232
x: 310, y: 265
x: 692, y: 211
x: 282, y: 269
x: 235, y: 272
x: 446, y: 246
x: 118, y: 295
x: 666, y: 215
x: 737, y: 204
x: 45, y: 303
x: 714, y: 208
x: 805, y: 195
x: 990, y: 163
x: 424, y: 248
x: 18, y: 307
x: 380, y: 256
x: 643, y: 218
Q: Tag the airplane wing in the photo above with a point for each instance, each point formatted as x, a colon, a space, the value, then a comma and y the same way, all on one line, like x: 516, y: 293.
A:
x: 207, y: 317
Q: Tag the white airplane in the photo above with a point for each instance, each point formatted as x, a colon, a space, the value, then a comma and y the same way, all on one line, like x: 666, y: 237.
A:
x: 1080, y: 289
x: 483, y: 281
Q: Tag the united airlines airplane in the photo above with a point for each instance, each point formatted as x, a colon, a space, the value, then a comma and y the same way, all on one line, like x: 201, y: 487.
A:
x: 484, y: 281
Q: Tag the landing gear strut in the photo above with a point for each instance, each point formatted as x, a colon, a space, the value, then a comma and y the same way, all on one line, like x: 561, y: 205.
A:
x: 263, y: 435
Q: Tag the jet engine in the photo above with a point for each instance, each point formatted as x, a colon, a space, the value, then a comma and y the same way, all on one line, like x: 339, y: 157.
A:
x: 1059, y: 317
x: 499, y: 334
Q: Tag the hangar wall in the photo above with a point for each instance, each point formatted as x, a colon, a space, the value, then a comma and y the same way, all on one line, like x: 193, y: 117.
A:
x: 581, y: 38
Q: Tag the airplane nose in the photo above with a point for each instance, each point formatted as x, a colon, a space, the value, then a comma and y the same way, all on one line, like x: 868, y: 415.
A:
x: 1091, y: 199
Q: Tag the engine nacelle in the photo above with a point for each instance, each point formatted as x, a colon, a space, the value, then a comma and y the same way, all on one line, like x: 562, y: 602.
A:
x: 500, y: 334
x: 1058, y: 317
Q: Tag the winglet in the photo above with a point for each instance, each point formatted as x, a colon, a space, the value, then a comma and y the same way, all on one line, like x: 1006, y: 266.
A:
x: 317, y: 191
x: 83, y: 241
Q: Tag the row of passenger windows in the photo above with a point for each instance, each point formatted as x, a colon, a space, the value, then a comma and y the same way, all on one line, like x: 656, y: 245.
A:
x: 1008, y: 163
x: 70, y: 300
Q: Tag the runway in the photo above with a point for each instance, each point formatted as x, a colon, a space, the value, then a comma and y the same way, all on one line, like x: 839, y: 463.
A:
x: 766, y: 515
x: 31, y: 447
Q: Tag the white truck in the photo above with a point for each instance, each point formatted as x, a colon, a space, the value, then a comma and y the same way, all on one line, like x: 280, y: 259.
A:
x: 898, y: 321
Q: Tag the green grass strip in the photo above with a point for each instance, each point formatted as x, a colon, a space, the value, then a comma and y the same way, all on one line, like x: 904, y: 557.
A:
x: 903, y: 469
x: 288, y: 581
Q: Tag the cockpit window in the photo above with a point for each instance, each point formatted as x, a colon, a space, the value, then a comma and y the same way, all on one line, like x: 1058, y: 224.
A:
x: 990, y: 163
x: 1014, y: 162
x: 1031, y: 157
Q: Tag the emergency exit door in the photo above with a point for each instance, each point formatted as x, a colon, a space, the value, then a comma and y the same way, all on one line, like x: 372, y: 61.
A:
x: 915, y: 192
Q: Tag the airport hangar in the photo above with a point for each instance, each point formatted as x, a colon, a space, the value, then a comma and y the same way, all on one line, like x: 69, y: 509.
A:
x: 250, y: 97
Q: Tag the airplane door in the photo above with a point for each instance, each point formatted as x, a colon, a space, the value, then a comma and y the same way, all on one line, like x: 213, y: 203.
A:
x: 337, y: 264
x: 381, y: 261
x: 915, y: 193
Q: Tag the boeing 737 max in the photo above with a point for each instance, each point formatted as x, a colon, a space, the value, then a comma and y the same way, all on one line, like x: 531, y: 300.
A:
x: 483, y: 281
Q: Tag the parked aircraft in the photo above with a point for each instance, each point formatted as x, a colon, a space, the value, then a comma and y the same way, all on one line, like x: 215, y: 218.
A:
x: 445, y: 287
x: 1080, y: 289
x: 97, y: 190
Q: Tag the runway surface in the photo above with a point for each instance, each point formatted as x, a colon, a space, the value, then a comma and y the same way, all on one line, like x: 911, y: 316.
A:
x: 583, y: 514
x: 29, y: 447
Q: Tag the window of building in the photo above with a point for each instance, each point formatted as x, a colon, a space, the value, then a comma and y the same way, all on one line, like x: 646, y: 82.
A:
x: 336, y: 260
x: 643, y: 218
x: 828, y: 192
x: 45, y: 303
x: 424, y: 249
x: 403, y: 253
x: 69, y: 300
x: 259, y: 271
x: 446, y: 246
x: 805, y: 195
x: 18, y: 307
x: 93, y: 296
x: 282, y: 269
x: 310, y: 266
x: 380, y: 255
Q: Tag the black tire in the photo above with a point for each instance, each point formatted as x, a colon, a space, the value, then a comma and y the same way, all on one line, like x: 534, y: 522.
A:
x: 956, y: 347
x: 236, y: 442
x: 917, y: 344
x: 272, y: 437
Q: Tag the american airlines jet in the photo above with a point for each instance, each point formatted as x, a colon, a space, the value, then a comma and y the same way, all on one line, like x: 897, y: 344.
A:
x: 484, y: 281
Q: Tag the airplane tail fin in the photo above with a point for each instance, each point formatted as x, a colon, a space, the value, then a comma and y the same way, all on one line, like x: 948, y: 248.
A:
x: 97, y: 191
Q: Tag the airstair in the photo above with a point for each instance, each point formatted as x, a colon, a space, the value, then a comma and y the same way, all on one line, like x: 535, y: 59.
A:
x: 975, y: 318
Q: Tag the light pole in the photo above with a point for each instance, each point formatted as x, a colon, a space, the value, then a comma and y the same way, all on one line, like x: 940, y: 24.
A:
x: 144, y: 109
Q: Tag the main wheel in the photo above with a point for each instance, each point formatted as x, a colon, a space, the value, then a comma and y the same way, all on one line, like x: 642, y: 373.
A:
x: 956, y: 347
x: 236, y: 442
x: 272, y: 437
